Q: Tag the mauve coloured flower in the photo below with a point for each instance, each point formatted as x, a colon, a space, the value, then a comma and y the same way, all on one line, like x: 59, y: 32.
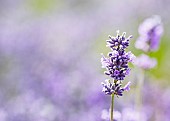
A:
x: 150, y: 32
x: 145, y: 62
x: 117, y: 64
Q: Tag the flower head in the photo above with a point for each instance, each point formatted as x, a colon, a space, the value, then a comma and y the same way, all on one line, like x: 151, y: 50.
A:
x: 118, y: 42
x: 116, y: 64
x: 150, y: 32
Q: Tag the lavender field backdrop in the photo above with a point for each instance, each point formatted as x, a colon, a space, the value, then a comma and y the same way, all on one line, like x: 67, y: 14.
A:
x: 50, y: 67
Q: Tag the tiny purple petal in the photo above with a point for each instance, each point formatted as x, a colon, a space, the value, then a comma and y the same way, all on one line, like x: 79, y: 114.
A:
x: 127, y: 86
x: 105, y: 61
x: 130, y: 56
x: 127, y: 71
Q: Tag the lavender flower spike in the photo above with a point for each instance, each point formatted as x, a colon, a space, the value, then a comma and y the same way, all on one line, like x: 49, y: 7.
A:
x: 150, y: 32
x: 116, y: 64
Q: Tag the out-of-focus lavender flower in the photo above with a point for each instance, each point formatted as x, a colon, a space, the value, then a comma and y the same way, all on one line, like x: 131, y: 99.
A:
x: 150, y: 32
x: 129, y: 114
x: 105, y: 115
x: 145, y: 62
x: 3, y: 115
x: 117, y: 64
x: 29, y: 106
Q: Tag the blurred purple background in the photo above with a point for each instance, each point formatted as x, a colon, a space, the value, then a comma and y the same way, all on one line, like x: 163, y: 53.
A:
x: 50, y: 66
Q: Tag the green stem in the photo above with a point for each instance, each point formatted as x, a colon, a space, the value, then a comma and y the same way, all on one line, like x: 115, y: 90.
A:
x: 112, y: 106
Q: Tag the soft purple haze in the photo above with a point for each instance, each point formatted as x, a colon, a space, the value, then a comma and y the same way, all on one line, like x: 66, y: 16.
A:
x: 49, y: 57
